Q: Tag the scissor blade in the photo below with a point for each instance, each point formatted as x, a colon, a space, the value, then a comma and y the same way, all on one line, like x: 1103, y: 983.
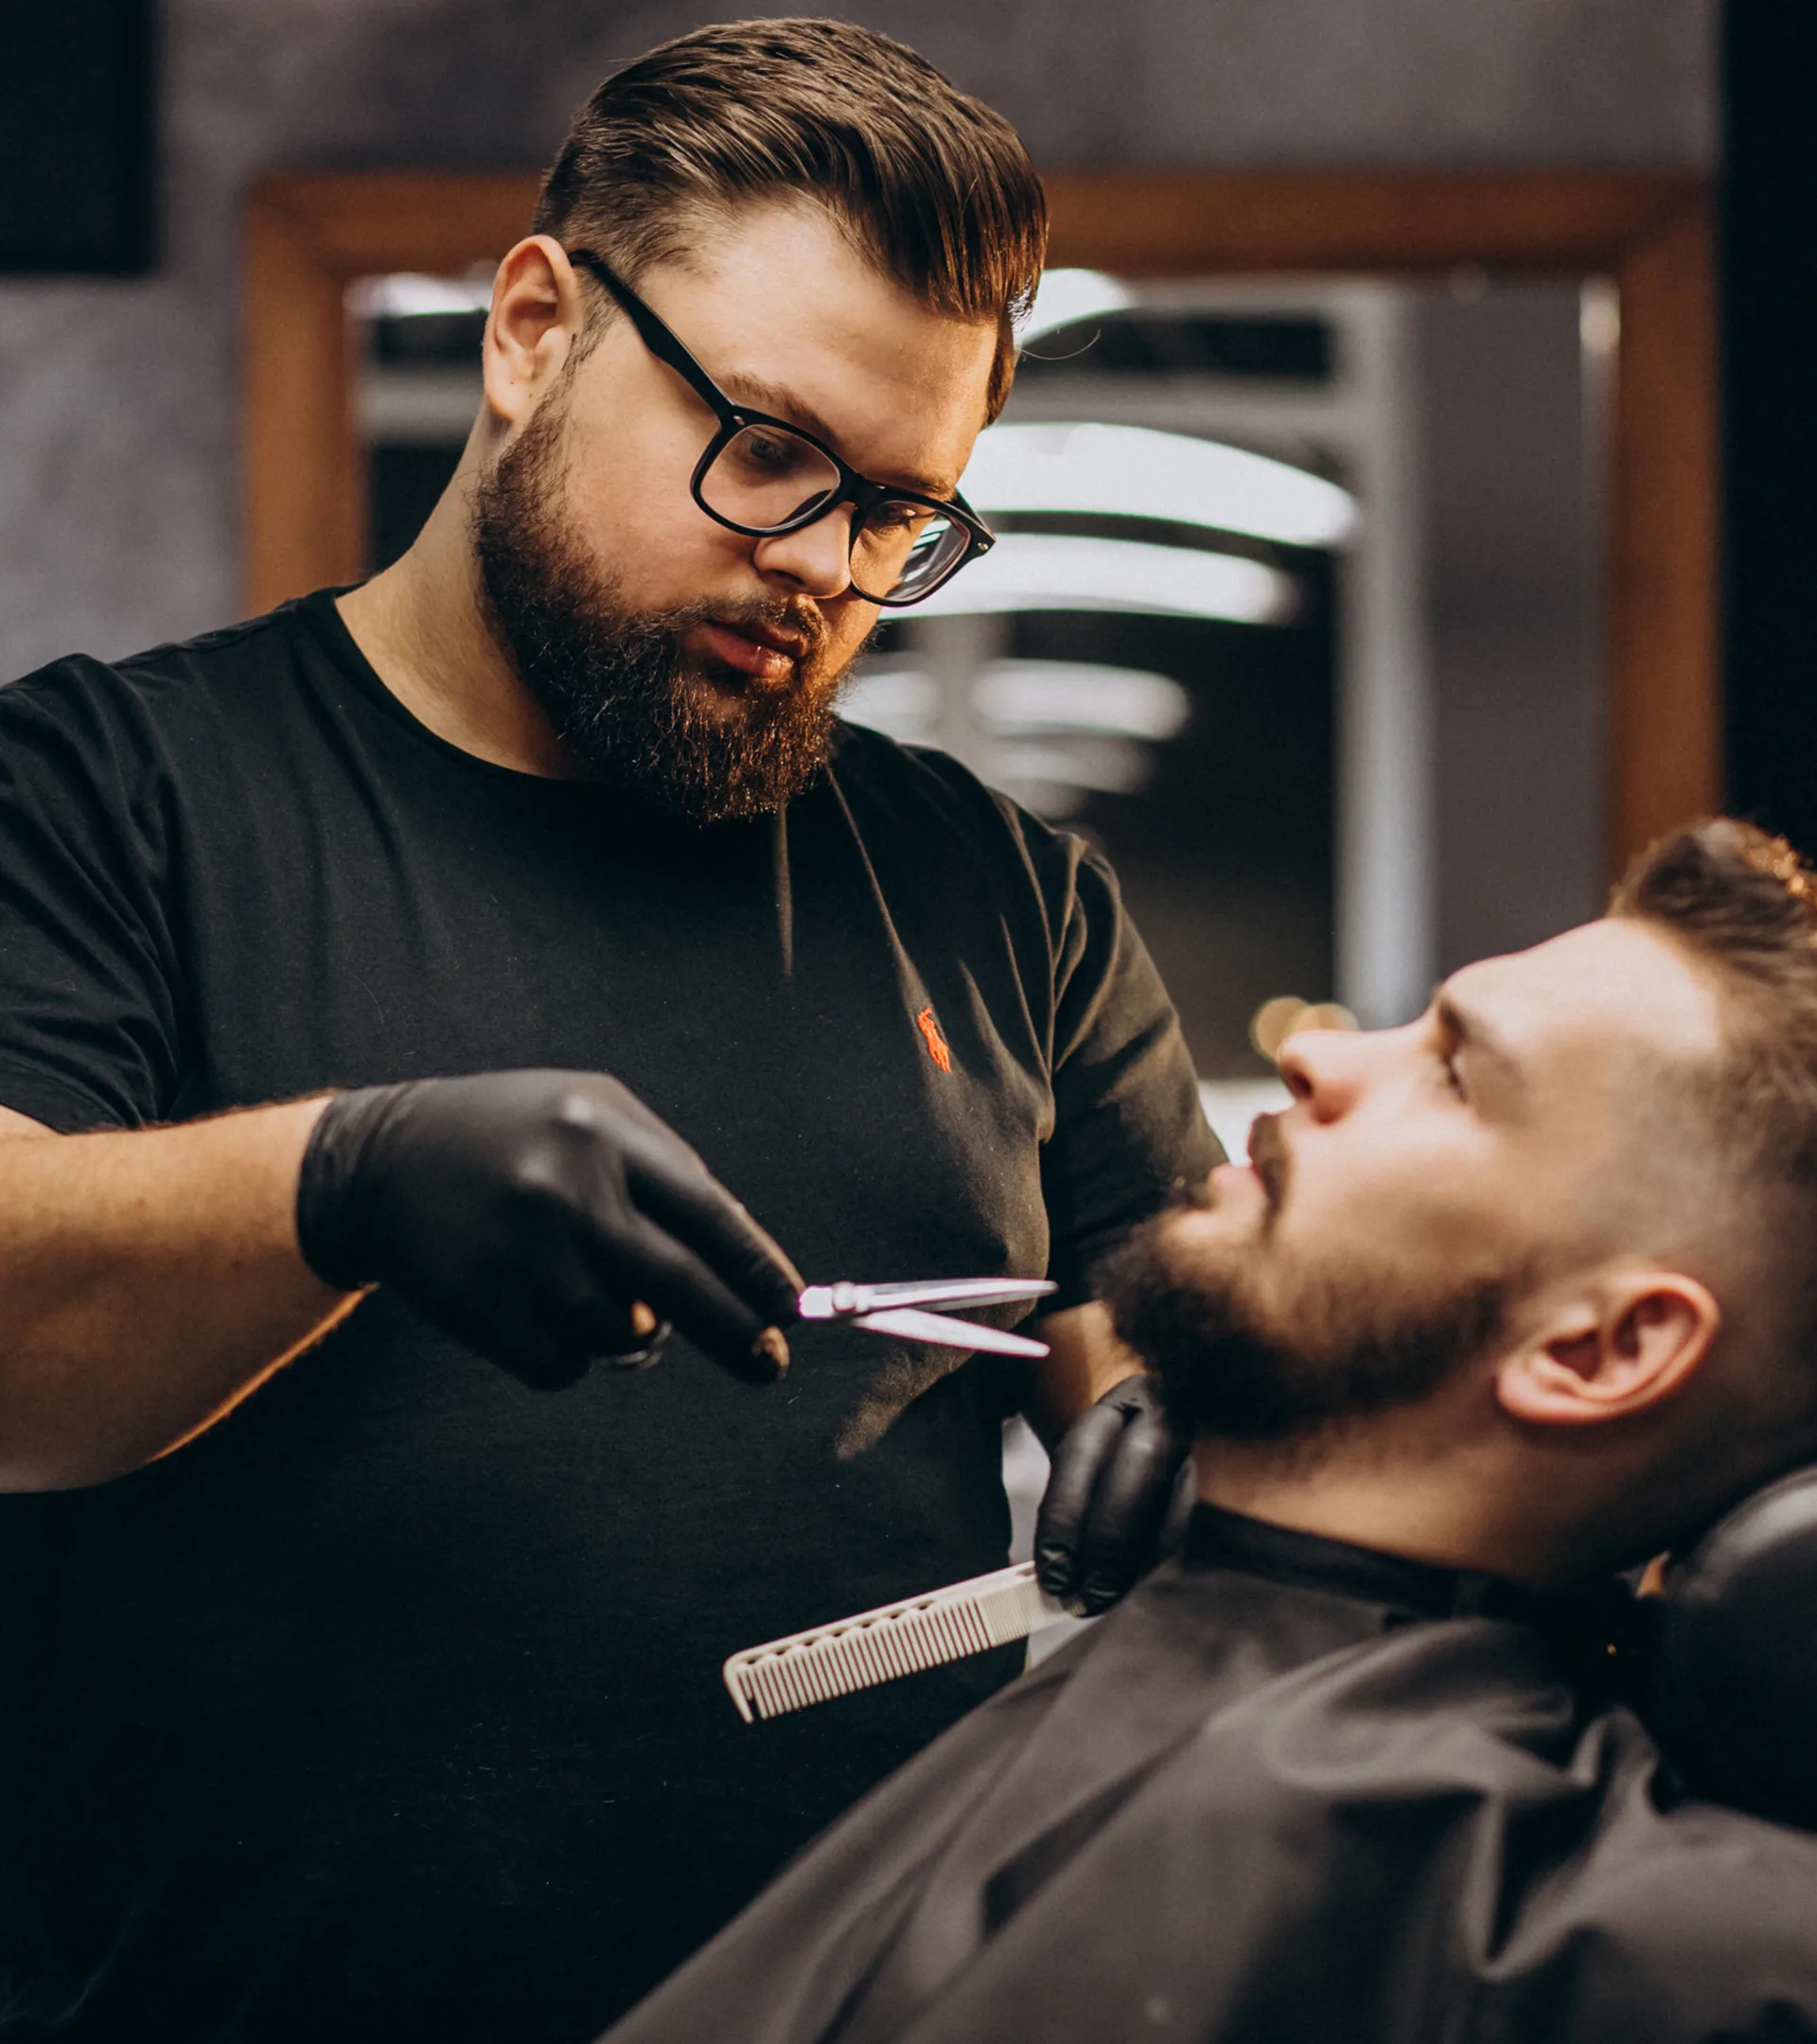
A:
x: 844, y: 1301
x: 906, y: 1324
x: 959, y: 1291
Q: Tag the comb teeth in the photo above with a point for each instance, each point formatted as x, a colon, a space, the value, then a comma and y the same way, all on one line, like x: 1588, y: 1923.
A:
x: 895, y: 1639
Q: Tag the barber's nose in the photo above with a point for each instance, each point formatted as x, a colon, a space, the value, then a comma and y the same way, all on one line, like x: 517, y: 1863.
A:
x: 815, y: 561
x: 1325, y: 1070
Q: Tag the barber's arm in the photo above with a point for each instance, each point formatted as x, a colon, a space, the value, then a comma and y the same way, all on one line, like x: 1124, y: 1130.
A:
x: 150, y: 1279
x: 1116, y: 1461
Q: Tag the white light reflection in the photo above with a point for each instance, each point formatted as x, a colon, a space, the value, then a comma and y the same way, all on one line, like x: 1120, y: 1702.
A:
x: 1058, y: 571
x: 1101, y: 766
x: 403, y: 294
x: 1075, y: 696
x: 1047, y: 731
x: 1066, y: 295
x: 901, y: 702
x: 1133, y: 471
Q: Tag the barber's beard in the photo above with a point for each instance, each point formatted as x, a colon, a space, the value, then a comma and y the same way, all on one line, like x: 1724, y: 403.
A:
x: 613, y: 681
x: 1252, y: 1349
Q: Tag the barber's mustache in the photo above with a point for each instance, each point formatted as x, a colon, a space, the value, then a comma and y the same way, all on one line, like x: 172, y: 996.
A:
x: 799, y: 615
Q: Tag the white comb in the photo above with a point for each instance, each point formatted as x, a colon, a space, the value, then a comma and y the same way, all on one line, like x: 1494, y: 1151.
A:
x: 895, y: 1639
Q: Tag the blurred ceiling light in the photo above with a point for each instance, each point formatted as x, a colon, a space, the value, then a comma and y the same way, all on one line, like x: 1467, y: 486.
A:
x: 405, y: 295
x: 1071, y: 695
x: 1067, y: 295
x: 902, y: 703
x: 1065, y: 699
x: 1104, y: 766
x: 1133, y: 471
x: 1058, y: 571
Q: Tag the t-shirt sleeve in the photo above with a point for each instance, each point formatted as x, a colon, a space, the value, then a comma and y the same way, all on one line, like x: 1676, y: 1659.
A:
x: 1129, y: 1128
x: 89, y: 1006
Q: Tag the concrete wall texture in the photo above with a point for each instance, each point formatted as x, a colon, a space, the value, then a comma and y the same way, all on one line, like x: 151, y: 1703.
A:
x: 120, y: 484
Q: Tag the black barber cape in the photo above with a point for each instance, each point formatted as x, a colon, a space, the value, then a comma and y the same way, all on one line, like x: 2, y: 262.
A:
x: 391, y: 1707
x: 1280, y: 1794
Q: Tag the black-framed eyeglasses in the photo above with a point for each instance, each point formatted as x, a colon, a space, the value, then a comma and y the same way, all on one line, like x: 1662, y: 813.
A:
x: 763, y: 477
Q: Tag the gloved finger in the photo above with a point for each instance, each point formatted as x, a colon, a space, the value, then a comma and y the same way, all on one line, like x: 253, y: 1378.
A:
x: 602, y: 1333
x: 636, y: 1257
x: 697, y: 1210
x: 556, y: 1370
x: 522, y: 1341
x: 596, y: 1323
x: 647, y: 1355
x: 1127, y: 1510
x: 1079, y: 1462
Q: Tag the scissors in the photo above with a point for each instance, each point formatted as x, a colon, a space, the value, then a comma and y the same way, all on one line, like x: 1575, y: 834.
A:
x: 896, y: 1309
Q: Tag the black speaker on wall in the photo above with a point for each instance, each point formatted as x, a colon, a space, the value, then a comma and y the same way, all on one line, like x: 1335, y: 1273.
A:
x: 76, y: 173
x: 1769, y: 224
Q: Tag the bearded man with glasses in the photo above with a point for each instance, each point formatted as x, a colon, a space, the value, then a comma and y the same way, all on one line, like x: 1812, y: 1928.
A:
x: 394, y: 986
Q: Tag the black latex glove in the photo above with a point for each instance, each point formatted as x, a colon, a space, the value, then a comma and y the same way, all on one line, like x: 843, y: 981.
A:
x: 526, y: 1212
x: 1107, y: 1501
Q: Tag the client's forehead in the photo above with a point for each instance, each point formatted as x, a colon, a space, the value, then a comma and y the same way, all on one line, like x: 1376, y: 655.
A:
x: 1582, y: 1006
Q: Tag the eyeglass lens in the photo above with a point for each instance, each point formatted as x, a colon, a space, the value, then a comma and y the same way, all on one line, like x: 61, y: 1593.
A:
x: 767, y: 478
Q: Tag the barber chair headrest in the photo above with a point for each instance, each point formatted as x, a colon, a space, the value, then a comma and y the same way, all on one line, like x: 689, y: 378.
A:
x: 1735, y: 1668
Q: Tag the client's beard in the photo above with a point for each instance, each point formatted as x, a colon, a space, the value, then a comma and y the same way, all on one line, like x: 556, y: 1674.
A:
x: 611, y: 680
x: 1291, y: 1362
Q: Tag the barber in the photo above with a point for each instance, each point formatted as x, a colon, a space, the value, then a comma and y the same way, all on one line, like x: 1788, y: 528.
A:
x: 354, y: 1686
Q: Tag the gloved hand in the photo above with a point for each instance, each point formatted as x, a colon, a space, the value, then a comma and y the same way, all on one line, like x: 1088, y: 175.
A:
x: 527, y: 1213
x: 1114, y: 1477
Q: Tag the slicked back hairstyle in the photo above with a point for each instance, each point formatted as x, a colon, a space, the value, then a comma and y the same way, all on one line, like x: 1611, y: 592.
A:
x: 930, y: 183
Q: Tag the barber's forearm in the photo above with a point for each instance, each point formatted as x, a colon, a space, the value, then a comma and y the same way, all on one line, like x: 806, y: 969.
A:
x: 148, y: 1280
x: 1086, y: 1360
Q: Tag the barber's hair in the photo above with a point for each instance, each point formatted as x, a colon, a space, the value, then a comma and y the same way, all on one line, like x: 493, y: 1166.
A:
x: 1744, y: 904
x: 930, y: 183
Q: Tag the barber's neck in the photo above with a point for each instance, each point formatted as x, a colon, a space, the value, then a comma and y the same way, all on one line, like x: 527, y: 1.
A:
x: 422, y: 624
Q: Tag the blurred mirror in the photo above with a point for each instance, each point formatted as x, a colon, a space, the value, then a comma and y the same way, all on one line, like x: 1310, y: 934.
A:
x: 1294, y: 612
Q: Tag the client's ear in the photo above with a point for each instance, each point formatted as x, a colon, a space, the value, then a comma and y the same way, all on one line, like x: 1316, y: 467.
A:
x: 1627, y: 1340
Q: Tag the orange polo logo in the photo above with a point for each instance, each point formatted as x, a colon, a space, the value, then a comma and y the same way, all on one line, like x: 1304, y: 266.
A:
x: 936, y: 1043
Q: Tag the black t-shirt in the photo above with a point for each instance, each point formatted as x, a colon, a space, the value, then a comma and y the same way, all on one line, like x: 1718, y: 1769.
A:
x: 392, y: 1705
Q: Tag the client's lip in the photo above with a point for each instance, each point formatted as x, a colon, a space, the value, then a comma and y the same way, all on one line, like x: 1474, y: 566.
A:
x: 766, y: 651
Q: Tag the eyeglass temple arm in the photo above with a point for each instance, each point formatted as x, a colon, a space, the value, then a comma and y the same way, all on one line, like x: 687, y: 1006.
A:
x: 657, y: 336
x: 983, y: 536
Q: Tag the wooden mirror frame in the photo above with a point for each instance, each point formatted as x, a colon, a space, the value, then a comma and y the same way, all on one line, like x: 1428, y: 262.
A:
x: 307, y: 236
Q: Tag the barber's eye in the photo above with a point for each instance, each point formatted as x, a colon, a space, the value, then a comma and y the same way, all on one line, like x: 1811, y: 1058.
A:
x: 770, y: 450
x: 890, y: 516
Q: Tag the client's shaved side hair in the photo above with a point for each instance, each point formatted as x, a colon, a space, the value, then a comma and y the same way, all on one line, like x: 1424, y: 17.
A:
x: 931, y: 184
x: 1743, y: 905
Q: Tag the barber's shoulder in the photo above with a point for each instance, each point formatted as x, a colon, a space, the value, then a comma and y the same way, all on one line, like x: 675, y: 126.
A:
x: 930, y: 787
x: 137, y: 697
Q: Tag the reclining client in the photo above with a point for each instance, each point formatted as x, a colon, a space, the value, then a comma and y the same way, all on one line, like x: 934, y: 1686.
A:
x: 1506, y: 1302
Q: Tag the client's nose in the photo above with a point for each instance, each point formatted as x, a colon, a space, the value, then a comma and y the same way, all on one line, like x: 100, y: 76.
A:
x: 1323, y: 1069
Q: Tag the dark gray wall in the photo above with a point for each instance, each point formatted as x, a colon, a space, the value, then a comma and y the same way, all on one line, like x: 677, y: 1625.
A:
x: 118, y: 403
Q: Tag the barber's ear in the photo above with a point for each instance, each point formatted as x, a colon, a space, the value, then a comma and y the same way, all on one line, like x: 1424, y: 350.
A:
x: 1618, y: 1347
x: 536, y: 311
